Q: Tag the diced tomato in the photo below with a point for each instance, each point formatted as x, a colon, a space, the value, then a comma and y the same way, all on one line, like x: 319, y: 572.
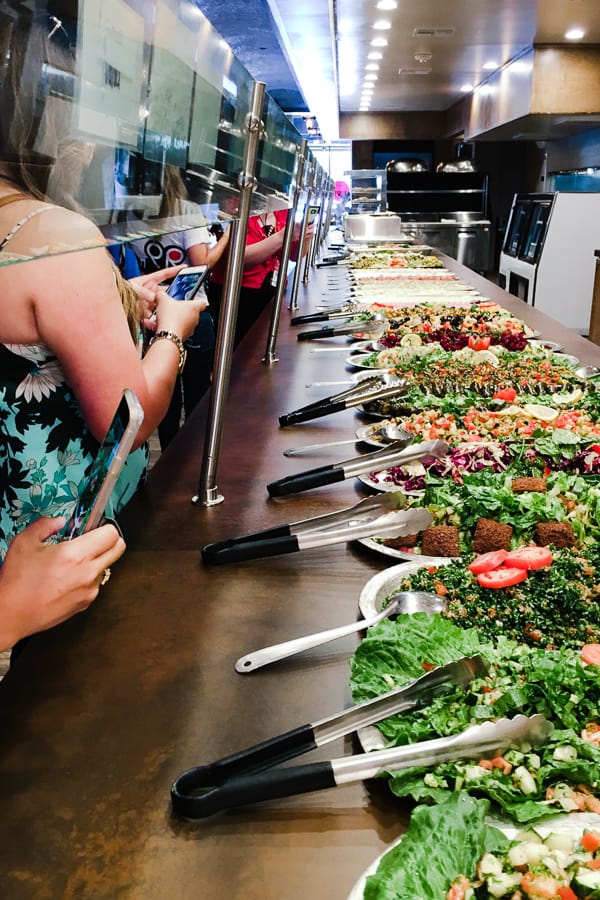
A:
x: 479, y: 343
x: 487, y: 561
x: 590, y: 841
x: 566, y: 893
x: 590, y: 654
x: 508, y: 394
x: 529, y: 557
x: 502, y: 577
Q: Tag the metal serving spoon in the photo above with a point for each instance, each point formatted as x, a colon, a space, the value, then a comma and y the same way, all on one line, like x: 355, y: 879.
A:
x: 403, y: 602
x: 389, y: 432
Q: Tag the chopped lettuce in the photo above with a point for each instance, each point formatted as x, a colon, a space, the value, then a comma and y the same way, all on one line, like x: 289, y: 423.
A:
x: 522, y: 679
x: 442, y: 842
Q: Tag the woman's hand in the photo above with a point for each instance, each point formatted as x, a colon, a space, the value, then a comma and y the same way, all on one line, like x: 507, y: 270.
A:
x: 146, y: 286
x: 44, y: 584
x: 179, y: 316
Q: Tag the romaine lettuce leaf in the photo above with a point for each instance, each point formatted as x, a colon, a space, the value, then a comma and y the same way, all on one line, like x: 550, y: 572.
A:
x: 442, y: 842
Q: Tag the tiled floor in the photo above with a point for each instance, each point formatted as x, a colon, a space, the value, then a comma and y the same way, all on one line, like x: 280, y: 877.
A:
x: 154, y: 454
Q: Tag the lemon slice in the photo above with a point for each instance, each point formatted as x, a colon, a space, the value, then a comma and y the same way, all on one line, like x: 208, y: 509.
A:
x: 481, y: 356
x: 569, y: 399
x: 511, y: 411
x: 543, y: 413
x: 411, y: 340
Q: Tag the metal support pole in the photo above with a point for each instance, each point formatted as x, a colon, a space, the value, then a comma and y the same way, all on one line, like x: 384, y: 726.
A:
x: 314, y: 199
x: 208, y: 493
x: 270, y: 356
x: 315, y: 243
x: 297, y: 270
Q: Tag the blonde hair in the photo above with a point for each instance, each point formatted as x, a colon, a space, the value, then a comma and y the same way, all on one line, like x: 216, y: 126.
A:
x: 131, y: 304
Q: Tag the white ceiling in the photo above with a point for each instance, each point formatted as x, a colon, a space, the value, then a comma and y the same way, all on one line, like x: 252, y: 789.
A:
x: 321, y: 47
x: 473, y: 32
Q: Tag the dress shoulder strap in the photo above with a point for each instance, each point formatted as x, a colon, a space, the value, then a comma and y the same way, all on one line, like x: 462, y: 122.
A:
x: 12, y: 198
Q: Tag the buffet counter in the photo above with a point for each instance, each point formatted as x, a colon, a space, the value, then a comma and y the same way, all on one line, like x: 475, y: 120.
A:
x: 100, y: 715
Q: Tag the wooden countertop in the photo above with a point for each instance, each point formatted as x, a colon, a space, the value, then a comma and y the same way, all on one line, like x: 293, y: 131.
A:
x: 101, y: 714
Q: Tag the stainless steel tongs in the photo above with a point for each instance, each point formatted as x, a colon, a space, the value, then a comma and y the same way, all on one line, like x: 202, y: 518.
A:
x: 374, y: 387
x: 380, y: 516
x: 249, y: 776
x: 395, y: 454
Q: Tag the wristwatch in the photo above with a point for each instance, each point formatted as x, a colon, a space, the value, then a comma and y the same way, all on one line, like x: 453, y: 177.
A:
x: 171, y: 336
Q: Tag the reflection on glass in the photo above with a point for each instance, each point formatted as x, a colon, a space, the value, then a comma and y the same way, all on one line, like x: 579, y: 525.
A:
x: 102, y: 102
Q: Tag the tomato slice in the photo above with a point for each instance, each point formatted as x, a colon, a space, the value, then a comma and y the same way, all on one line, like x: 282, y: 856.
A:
x: 508, y: 394
x: 529, y: 557
x: 485, y: 562
x: 590, y: 653
x: 503, y: 577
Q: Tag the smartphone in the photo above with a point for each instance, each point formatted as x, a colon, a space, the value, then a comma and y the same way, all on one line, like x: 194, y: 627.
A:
x: 106, y: 468
x: 186, y: 283
x: 313, y: 212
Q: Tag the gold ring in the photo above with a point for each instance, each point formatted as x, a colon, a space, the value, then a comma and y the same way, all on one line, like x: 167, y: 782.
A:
x: 105, y: 577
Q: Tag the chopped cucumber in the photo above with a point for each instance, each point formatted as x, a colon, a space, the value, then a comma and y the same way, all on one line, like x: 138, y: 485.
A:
x: 587, y: 884
x: 525, y: 780
x: 565, y: 753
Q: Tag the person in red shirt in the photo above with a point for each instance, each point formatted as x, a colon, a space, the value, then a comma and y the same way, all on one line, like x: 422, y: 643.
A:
x: 264, y: 242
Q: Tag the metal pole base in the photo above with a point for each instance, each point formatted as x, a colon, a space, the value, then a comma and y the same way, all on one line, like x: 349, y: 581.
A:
x: 211, y: 497
x: 270, y: 358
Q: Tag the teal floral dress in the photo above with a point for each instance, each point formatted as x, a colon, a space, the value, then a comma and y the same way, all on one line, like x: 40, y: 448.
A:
x: 46, y: 447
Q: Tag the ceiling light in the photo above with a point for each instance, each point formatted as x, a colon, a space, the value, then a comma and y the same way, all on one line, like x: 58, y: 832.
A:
x: 368, y: 88
x: 387, y: 4
x: 490, y: 64
x: 372, y: 67
x: 423, y: 56
x: 363, y: 109
x: 375, y: 55
x: 465, y: 88
x: 574, y: 34
x: 379, y: 42
x: 382, y: 25
x: 371, y: 77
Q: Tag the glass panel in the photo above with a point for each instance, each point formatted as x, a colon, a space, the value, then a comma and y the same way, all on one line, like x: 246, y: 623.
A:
x: 536, y: 232
x: 517, y: 228
x: 133, y: 113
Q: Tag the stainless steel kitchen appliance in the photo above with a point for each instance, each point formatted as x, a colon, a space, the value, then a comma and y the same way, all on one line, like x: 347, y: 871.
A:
x: 547, y: 256
x: 446, y: 210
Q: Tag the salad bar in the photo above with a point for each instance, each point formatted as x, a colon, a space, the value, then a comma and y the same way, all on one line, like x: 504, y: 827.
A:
x: 473, y: 480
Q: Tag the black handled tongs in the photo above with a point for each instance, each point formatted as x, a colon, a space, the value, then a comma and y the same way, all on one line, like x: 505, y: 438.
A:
x: 337, y: 312
x: 374, y: 387
x: 244, y: 777
x: 396, y: 454
x: 372, y: 327
x: 379, y: 516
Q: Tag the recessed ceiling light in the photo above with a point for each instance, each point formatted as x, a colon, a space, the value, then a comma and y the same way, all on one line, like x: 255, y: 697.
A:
x: 371, y: 77
x: 490, y: 64
x: 574, y: 34
x: 372, y: 67
x: 368, y: 88
x: 465, y: 88
x: 375, y: 55
x: 379, y: 42
x: 382, y: 25
x: 387, y: 4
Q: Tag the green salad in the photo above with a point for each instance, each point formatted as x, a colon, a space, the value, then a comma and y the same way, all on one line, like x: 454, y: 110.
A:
x: 556, y: 606
x: 442, y: 843
x: 563, y: 775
